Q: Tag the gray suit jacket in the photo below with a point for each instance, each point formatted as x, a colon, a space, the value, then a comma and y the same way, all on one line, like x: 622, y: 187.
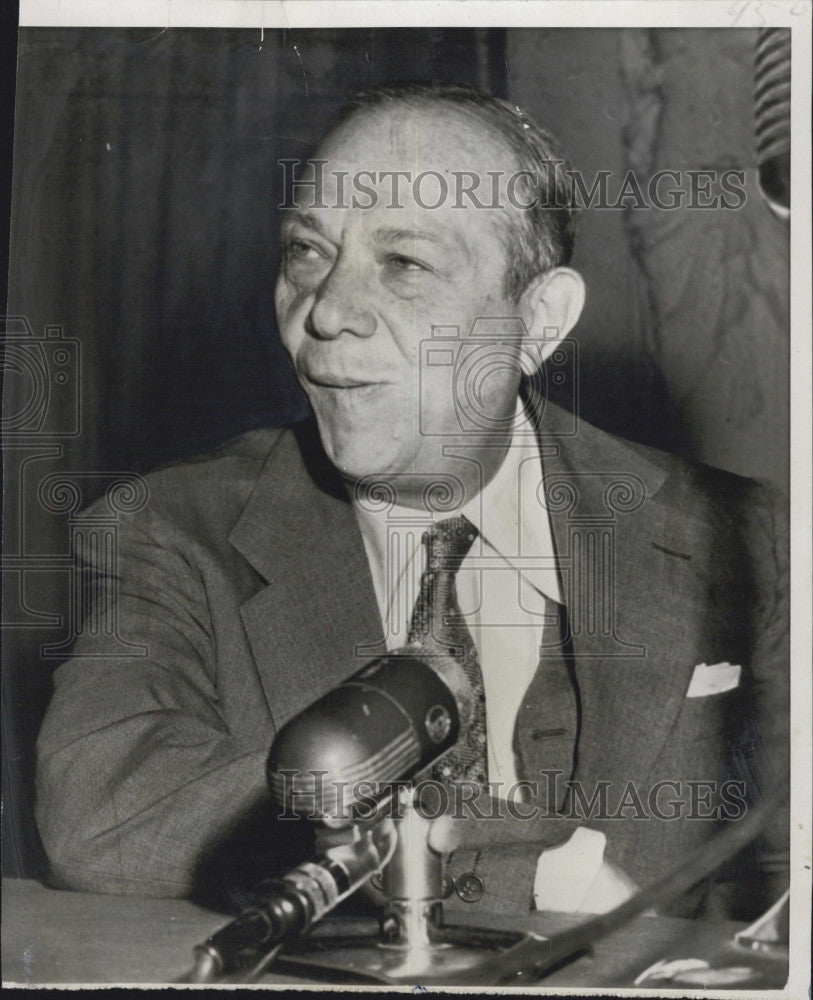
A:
x: 246, y: 578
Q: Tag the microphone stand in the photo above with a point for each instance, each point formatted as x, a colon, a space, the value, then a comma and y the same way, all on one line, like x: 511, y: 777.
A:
x: 412, y: 944
x: 415, y: 946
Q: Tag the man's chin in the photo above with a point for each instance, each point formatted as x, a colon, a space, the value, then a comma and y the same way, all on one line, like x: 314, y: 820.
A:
x: 377, y: 481
x: 360, y: 459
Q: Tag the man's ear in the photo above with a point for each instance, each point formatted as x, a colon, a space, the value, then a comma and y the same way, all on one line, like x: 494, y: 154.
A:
x: 552, y: 304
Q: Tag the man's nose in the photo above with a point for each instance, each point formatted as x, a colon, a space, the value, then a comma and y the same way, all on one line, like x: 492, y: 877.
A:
x: 340, y: 305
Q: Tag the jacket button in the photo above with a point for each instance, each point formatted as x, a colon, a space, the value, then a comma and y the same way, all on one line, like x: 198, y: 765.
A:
x: 470, y: 887
x: 545, y: 734
x: 448, y: 886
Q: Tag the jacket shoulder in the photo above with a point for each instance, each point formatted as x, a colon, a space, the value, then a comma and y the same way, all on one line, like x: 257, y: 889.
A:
x: 751, y: 511
x: 724, y: 490
x: 208, y: 488
x: 248, y: 450
x: 748, y: 516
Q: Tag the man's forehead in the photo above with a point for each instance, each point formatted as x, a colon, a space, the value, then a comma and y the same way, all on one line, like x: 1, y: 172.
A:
x: 399, y: 173
x: 434, y: 136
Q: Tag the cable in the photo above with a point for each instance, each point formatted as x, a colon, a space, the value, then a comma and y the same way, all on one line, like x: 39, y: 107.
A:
x: 532, y: 957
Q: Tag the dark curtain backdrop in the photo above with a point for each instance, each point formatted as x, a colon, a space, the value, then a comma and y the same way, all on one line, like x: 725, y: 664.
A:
x: 146, y: 188
x: 144, y: 225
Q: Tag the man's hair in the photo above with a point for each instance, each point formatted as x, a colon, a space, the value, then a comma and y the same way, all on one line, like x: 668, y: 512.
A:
x: 547, y: 233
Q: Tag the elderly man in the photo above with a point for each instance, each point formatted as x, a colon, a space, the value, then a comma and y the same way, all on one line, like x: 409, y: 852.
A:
x: 619, y: 613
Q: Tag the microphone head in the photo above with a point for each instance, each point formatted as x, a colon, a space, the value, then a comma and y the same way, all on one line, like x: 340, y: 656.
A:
x: 772, y: 116
x: 386, y: 722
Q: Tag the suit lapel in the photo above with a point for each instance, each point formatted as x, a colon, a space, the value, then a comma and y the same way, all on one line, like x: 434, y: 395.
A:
x: 635, y: 602
x: 299, y: 532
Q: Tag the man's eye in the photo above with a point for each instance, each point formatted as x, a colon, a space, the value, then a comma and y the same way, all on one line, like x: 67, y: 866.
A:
x: 400, y: 263
x: 300, y: 250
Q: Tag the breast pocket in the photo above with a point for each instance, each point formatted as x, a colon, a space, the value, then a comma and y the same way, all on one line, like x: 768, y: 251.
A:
x: 712, y: 716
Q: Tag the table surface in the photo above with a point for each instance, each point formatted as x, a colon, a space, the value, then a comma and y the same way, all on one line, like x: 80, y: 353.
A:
x: 51, y: 936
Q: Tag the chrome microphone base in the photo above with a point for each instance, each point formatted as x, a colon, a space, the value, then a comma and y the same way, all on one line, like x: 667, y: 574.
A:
x: 447, y: 960
x: 414, y: 945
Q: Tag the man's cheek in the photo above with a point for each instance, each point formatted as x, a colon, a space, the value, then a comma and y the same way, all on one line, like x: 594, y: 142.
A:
x: 291, y: 317
x: 291, y: 340
x: 282, y: 293
x: 290, y: 298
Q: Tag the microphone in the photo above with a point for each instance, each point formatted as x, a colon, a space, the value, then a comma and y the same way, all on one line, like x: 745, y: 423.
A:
x: 772, y: 117
x: 286, y: 908
x: 386, y: 723
x: 341, y: 759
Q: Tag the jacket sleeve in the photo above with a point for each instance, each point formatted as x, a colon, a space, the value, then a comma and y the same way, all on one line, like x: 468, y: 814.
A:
x: 767, y: 745
x: 503, y: 856
x: 138, y: 774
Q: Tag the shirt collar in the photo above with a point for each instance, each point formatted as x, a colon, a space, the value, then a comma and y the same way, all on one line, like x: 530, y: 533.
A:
x: 507, y: 513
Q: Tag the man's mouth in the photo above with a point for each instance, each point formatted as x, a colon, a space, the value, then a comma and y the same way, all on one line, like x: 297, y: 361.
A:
x: 327, y: 381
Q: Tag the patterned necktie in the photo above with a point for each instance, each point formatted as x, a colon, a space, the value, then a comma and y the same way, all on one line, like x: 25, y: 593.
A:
x: 437, y: 626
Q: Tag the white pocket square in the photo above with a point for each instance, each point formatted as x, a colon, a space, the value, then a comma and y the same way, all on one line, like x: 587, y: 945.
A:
x: 713, y: 679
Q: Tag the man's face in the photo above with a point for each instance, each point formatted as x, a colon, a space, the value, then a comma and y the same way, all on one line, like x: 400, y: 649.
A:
x: 360, y: 289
